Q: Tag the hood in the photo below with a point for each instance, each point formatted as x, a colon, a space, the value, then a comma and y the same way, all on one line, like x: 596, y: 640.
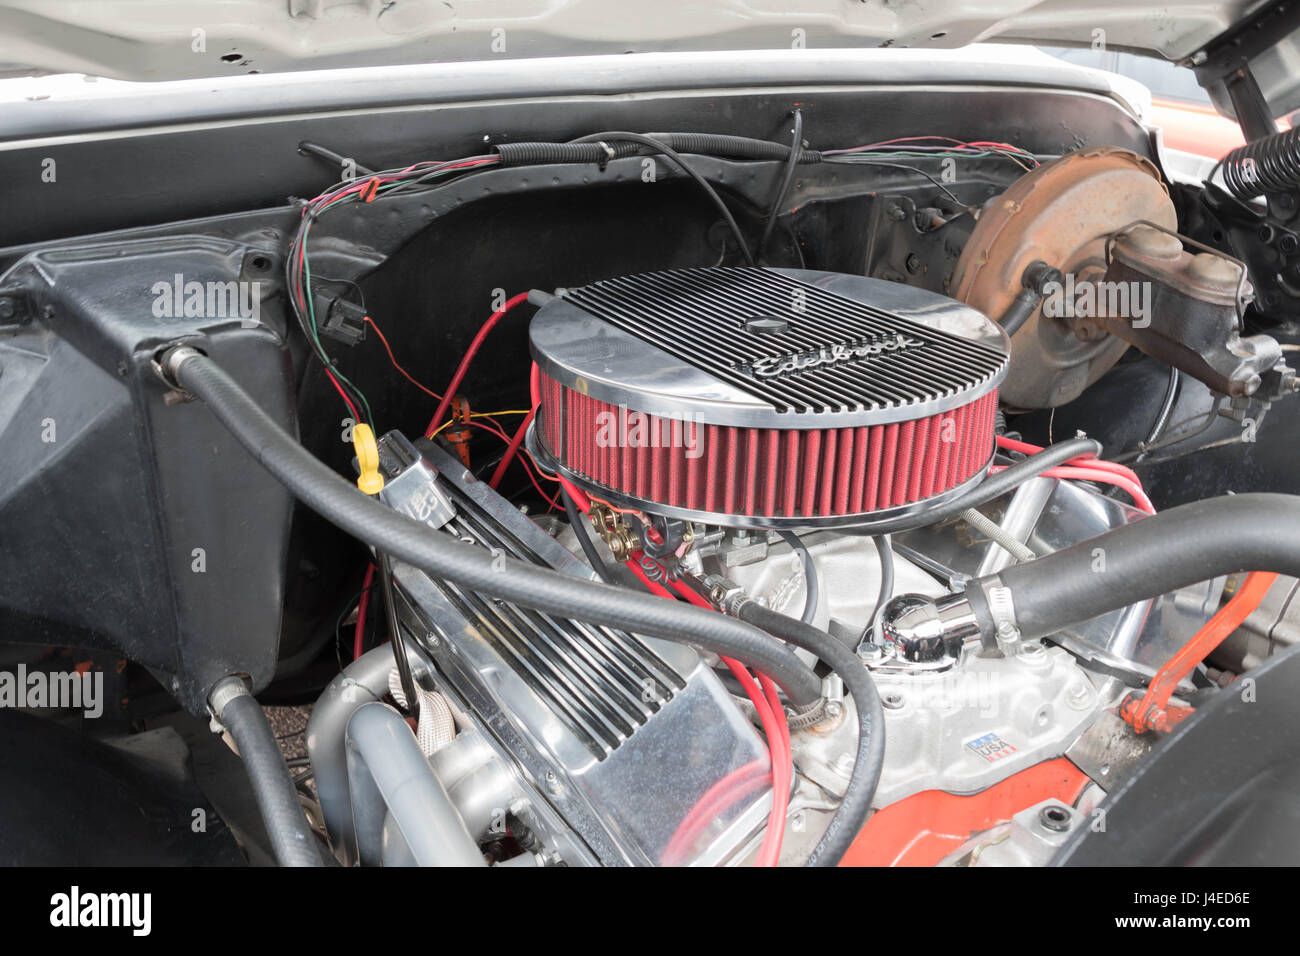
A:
x: 154, y: 40
x: 178, y: 39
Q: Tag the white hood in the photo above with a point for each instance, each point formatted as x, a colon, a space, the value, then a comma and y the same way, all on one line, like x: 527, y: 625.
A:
x: 177, y: 39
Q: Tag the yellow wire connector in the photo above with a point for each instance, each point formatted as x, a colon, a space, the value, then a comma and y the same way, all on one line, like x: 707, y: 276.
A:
x: 363, y: 440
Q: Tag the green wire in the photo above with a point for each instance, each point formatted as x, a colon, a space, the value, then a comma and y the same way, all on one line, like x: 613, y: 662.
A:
x: 311, y: 315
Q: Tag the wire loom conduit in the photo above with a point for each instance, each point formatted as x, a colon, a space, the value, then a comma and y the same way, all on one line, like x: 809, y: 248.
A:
x: 602, y: 147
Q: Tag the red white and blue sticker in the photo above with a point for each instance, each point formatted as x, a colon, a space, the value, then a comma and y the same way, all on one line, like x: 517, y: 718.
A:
x: 991, y: 747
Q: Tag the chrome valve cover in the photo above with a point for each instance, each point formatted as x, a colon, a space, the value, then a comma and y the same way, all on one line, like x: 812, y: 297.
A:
x: 632, y: 740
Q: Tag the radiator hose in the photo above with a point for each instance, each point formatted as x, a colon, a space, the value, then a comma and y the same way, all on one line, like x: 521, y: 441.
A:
x: 469, y: 566
x: 1184, y: 545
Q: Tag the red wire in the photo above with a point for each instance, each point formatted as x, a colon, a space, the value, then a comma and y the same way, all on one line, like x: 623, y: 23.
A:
x: 1086, y: 461
x: 1086, y: 468
x: 777, y: 728
x: 770, y: 714
x: 700, y: 815
x: 359, y: 636
x: 727, y: 792
x: 534, y: 390
x: 784, y: 763
x: 465, y: 361
x: 392, y: 358
x: 524, y: 461
x: 511, y: 449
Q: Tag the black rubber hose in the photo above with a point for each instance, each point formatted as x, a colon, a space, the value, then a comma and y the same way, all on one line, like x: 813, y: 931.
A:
x: 1184, y: 545
x: 812, y: 583
x: 676, y: 159
x: 1024, y: 305
x: 870, y: 758
x: 292, y: 840
x: 994, y: 486
x: 442, y: 556
x: 787, y: 178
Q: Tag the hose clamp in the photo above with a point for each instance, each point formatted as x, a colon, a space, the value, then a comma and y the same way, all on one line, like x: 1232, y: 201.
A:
x: 1002, y: 609
x: 223, y: 692
x: 812, y: 715
x: 167, y: 364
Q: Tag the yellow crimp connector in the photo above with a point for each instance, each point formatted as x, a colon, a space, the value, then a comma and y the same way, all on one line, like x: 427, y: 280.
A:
x: 363, y: 440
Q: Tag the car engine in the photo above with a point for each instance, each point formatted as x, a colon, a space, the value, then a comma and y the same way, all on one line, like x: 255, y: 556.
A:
x: 783, y: 501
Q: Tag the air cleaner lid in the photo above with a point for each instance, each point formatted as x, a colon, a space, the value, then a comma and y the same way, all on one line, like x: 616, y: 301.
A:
x: 767, y: 348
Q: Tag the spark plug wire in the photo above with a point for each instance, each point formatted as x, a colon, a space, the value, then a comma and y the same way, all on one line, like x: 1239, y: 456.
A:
x: 773, y: 720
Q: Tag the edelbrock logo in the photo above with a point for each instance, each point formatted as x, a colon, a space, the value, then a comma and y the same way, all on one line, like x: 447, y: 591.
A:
x: 61, y: 690
x: 179, y: 299
x: 74, y: 908
x: 773, y: 366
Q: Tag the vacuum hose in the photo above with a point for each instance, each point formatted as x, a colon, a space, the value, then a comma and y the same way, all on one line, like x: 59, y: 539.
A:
x: 442, y: 556
x: 994, y: 486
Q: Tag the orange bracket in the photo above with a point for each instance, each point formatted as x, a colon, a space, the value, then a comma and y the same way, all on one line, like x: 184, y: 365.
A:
x: 1153, y: 711
x: 458, y: 430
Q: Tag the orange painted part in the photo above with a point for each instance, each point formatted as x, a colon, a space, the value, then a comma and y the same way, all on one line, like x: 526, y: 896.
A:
x: 1194, y: 128
x: 460, y: 433
x: 1197, y: 128
x: 922, y: 829
x: 1153, y: 712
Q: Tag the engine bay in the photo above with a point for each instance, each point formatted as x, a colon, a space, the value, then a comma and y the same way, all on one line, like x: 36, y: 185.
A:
x: 727, y: 496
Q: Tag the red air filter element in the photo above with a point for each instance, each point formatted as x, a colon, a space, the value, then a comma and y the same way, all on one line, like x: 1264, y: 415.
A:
x: 766, y: 398
x: 764, y: 472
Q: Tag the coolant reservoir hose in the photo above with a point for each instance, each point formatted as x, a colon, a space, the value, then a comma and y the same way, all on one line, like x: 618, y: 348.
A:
x: 292, y: 840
